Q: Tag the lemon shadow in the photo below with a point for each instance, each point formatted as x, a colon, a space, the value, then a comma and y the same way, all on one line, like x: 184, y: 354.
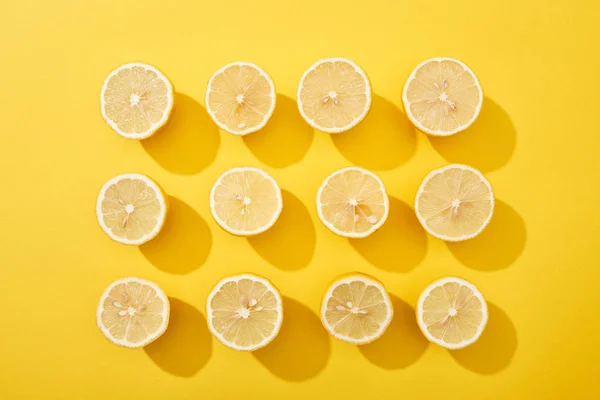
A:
x: 190, y: 140
x: 285, y: 139
x: 402, y: 344
x: 487, y: 145
x: 498, y: 246
x: 399, y: 245
x: 496, y: 347
x: 384, y: 140
x: 290, y: 243
x: 186, y: 345
x: 183, y: 244
x: 302, y: 348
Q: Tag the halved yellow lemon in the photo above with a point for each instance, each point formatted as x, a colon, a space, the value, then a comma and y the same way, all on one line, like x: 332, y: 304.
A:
x: 131, y: 208
x: 136, y: 100
x: 352, y: 202
x: 442, y: 96
x: 356, y: 309
x: 240, y: 98
x: 244, y: 312
x: 334, y: 95
x: 452, y: 313
x: 133, y: 312
x: 454, y: 203
x: 245, y: 201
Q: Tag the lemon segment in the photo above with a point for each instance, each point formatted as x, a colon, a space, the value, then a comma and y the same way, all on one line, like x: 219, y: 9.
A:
x: 240, y: 98
x: 334, y: 95
x: 133, y: 312
x: 136, y: 100
x: 245, y: 201
x: 244, y: 312
x: 455, y: 203
x: 356, y: 309
x: 442, y: 96
x: 352, y: 202
x: 452, y: 313
x: 131, y: 209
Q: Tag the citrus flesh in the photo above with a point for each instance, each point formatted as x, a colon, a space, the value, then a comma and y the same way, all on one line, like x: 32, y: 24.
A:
x: 136, y: 100
x: 352, y: 202
x: 240, y: 98
x: 356, y: 309
x: 452, y: 313
x: 455, y: 202
x: 131, y: 209
x: 246, y: 201
x: 442, y: 96
x: 334, y: 95
x: 133, y: 312
x: 244, y: 312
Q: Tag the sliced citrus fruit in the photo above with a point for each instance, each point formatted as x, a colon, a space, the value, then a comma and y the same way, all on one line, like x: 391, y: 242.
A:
x: 244, y: 312
x: 133, y: 312
x: 131, y: 208
x: 356, y: 309
x: 352, y: 202
x: 334, y: 95
x: 240, y: 98
x: 136, y: 100
x: 454, y: 203
x: 245, y: 201
x: 442, y: 96
x: 452, y: 313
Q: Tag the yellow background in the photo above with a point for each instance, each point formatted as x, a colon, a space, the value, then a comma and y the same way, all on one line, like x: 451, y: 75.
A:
x: 537, y: 141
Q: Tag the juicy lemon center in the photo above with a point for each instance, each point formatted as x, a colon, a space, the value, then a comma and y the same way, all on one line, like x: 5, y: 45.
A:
x: 351, y: 308
x: 360, y: 212
x: 245, y: 201
x: 249, y: 308
x: 134, y: 99
x: 332, y: 95
x: 443, y: 96
x: 128, y: 308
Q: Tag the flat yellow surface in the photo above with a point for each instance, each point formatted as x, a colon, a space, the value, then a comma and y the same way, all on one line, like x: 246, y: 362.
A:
x: 537, y: 140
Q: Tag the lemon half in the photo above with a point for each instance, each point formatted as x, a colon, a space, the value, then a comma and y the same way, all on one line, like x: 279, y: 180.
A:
x: 356, y: 309
x: 136, y: 100
x: 334, y: 95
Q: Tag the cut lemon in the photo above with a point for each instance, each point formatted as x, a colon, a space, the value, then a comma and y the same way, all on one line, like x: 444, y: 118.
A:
x: 356, y: 309
x: 245, y: 201
x: 455, y: 203
x: 334, y: 95
x: 452, y: 313
x: 244, y: 312
x: 240, y: 98
x: 133, y: 312
x: 136, y: 100
x: 352, y: 202
x: 131, y: 208
x: 442, y: 96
